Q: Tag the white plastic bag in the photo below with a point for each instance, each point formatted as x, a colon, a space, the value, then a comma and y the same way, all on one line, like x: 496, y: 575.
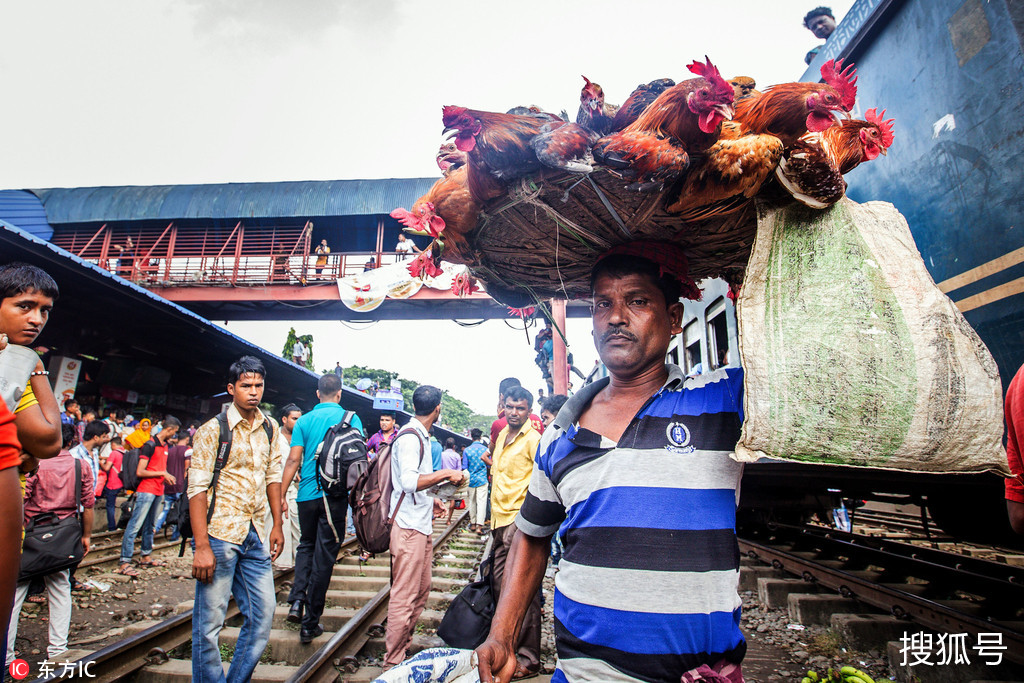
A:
x: 436, y: 665
x: 853, y: 356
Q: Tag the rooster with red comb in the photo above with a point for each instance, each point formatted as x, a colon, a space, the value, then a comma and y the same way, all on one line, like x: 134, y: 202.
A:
x: 812, y: 169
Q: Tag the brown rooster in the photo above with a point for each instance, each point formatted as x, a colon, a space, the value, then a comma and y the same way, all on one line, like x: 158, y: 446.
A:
x: 789, y: 110
x: 497, y: 146
x: 729, y: 176
x: 743, y: 87
x: 447, y: 212
x: 689, y: 114
x: 595, y: 114
x: 565, y: 146
x: 638, y: 101
x: 812, y: 169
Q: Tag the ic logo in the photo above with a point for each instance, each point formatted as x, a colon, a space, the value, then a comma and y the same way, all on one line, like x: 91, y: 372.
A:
x: 19, y: 669
x: 678, y: 438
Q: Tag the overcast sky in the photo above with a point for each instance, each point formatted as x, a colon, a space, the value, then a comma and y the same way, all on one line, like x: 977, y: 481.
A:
x: 156, y: 92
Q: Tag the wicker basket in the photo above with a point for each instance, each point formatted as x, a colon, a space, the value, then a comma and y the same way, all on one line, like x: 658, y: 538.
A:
x: 542, y: 239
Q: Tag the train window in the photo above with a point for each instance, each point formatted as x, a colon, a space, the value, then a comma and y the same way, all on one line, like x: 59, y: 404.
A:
x: 718, y: 335
x: 691, y: 342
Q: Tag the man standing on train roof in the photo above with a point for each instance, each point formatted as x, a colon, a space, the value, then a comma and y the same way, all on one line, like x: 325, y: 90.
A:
x: 641, y: 458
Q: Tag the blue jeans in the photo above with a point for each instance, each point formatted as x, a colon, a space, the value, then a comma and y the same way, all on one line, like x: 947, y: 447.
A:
x: 111, y: 496
x: 169, y: 500
x: 147, y: 507
x: 245, y: 572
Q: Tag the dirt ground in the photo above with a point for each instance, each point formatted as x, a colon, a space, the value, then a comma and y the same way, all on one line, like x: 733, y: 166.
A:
x: 99, y: 617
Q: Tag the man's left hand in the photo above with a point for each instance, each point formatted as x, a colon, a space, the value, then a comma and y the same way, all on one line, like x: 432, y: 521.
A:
x: 276, y: 542
x: 439, y: 509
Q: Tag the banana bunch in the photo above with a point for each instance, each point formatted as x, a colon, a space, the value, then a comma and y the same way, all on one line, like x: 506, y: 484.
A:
x: 847, y: 674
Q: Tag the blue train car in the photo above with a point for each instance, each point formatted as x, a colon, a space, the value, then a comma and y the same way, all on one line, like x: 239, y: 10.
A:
x: 951, y: 73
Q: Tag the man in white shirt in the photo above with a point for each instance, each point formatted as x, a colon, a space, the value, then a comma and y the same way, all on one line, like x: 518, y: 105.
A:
x: 405, y: 247
x: 297, y: 352
x: 93, y: 439
x: 289, y: 415
x: 412, y: 471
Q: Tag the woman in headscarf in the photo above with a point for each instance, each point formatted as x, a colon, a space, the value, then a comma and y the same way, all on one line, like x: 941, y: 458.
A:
x: 141, y: 434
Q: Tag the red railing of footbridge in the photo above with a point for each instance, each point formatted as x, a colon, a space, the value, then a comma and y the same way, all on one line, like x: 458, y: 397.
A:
x: 180, y: 256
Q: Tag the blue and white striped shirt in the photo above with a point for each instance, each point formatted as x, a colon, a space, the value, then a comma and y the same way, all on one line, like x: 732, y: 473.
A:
x: 647, y: 586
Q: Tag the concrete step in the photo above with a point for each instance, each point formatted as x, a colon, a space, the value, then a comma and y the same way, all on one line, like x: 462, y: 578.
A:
x: 375, y: 647
x: 333, y: 618
x: 181, y: 670
x: 750, y: 574
x: 810, y: 609
x: 284, y: 645
x: 356, y: 599
x: 774, y: 593
x: 870, y: 631
x: 978, y: 671
x: 375, y: 583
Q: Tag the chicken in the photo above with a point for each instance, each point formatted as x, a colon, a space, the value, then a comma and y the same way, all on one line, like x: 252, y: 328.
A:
x: 812, y: 169
x: 729, y: 176
x: 743, y: 87
x: 446, y: 212
x: 565, y: 146
x: 789, y: 110
x: 594, y: 113
x: 638, y: 101
x: 689, y: 115
x: 652, y: 160
x: 497, y: 146
x: 449, y: 157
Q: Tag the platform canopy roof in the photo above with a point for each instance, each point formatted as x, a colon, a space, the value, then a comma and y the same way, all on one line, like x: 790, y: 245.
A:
x: 305, y: 199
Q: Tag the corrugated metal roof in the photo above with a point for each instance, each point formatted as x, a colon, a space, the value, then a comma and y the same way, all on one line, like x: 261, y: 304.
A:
x: 304, y: 199
x: 23, y: 209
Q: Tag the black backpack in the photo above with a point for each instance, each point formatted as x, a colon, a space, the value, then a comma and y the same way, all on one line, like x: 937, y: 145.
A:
x: 342, y: 445
x: 180, y: 512
x: 130, y: 469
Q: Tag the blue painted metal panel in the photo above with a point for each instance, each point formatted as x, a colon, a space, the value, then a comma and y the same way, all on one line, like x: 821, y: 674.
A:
x: 232, y: 200
x: 952, y: 75
x: 23, y: 209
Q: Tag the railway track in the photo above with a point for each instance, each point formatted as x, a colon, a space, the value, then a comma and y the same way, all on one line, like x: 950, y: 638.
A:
x: 921, y: 589
x: 357, y: 604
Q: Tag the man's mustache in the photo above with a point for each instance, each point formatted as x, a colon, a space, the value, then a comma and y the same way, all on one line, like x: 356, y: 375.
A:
x: 618, y: 333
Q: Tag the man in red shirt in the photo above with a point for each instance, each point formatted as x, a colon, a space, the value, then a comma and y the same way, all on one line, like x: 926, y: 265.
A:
x: 149, y: 498
x: 1014, y: 407
x: 50, y: 490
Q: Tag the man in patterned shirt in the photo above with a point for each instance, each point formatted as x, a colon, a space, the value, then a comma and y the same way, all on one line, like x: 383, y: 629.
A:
x: 231, y: 553
x: 635, y: 476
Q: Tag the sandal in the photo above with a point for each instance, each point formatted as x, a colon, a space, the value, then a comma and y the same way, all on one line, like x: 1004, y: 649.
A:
x: 152, y: 563
x: 127, y: 570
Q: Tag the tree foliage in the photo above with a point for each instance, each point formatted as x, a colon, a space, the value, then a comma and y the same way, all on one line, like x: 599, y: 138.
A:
x: 289, y: 344
x: 454, y: 413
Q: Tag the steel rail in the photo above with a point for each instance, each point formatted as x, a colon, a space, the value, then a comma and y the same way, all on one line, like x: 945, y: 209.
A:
x: 993, y: 577
x: 900, y: 604
x: 344, y: 644
x: 93, y: 561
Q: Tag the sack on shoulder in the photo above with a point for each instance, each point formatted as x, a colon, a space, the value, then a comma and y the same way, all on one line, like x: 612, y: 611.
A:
x: 467, y: 621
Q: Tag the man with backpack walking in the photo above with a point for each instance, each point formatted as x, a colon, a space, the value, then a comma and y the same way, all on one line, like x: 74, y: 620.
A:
x: 235, y: 475
x: 321, y: 511
x: 412, y: 471
x: 151, y: 474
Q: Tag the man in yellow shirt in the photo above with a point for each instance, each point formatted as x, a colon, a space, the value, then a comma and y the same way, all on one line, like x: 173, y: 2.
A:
x: 514, y: 451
